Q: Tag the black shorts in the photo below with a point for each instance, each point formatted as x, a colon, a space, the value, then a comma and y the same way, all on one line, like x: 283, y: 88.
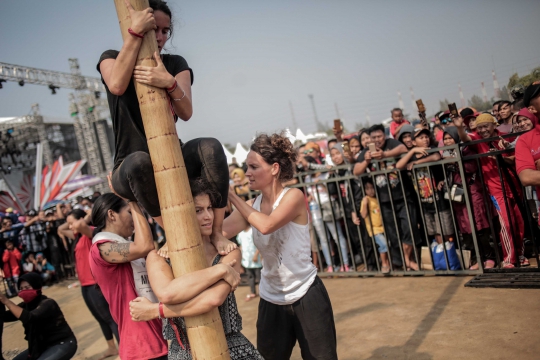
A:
x: 309, y: 320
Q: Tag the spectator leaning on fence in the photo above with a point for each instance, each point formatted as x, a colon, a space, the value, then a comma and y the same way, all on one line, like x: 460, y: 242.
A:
x: 436, y: 210
x: 512, y: 226
x: 405, y: 136
x: 475, y: 187
x: 392, y: 199
x: 397, y: 121
x: 528, y: 145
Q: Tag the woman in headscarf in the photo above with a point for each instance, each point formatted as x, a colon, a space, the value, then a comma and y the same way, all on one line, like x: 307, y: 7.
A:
x: 475, y: 187
x: 49, y: 335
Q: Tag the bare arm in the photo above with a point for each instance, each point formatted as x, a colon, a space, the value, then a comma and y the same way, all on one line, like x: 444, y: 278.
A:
x: 430, y: 158
x: 360, y: 167
x: 64, y: 231
x: 402, y: 163
x: 175, y: 291
x: 395, y: 152
x: 292, y: 207
x: 363, y: 208
x: 235, y: 223
x: 124, y: 252
x: 458, y: 122
x: 529, y: 177
x: 117, y: 72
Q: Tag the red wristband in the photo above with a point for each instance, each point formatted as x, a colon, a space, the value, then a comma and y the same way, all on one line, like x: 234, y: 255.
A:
x: 173, y: 87
x: 135, y: 34
x: 161, y: 313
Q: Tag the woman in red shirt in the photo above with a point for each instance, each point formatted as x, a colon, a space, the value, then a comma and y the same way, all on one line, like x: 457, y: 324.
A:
x: 96, y: 303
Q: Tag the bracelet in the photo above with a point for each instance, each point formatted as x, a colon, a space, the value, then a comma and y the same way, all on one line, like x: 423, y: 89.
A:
x: 135, y: 34
x: 183, y: 96
x: 161, y: 313
x: 173, y: 87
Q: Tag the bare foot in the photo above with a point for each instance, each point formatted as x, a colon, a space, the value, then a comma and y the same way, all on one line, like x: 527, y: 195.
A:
x: 164, y: 251
x: 222, y: 244
x: 108, y: 353
x: 412, y: 266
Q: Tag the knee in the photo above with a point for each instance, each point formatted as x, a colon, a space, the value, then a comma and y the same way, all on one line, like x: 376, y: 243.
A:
x: 140, y: 162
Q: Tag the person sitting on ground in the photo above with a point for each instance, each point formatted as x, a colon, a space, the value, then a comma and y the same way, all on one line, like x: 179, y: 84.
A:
x: 511, y: 220
x: 397, y: 121
x: 30, y: 264
x: 12, y: 270
x: 392, y: 200
x: 504, y: 111
x: 371, y: 213
x: 46, y: 330
x: 47, y: 271
x: 405, y: 136
x: 198, y: 295
x: 425, y: 179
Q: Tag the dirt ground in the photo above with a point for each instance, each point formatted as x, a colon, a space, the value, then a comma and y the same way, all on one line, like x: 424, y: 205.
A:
x: 376, y: 318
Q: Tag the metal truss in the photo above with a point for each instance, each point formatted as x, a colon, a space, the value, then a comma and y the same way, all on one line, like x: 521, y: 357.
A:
x: 87, y: 109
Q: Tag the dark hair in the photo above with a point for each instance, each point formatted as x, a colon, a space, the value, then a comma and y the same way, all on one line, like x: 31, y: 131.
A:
x: 396, y: 109
x: 519, y: 104
x: 276, y: 148
x: 6, y: 218
x: 438, y: 127
x: 360, y: 133
x: 162, y: 6
x: 201, y: 186
x: 497, y: 103
x: 377, y: 127
x: 504, y: 102
x: 102, y: 206
x: 77, y: 214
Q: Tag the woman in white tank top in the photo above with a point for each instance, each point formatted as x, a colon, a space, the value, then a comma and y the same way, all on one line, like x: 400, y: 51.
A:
x: 294, y: 303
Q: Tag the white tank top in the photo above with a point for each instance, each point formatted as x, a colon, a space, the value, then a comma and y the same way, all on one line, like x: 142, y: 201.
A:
x: 287, y: 271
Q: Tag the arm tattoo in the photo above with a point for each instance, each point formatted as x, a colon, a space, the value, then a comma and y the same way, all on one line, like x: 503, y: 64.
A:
x: 120, y: 249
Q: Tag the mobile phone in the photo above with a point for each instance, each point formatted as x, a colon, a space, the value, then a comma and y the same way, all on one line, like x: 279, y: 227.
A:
x: 420, y: 105
x: 346, y: 148
x: 372, y: 147
x: 337, y: 124
x: 453, y: 109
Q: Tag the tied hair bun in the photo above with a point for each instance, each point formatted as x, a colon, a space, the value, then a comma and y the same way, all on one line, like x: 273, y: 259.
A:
x: 276, y: 148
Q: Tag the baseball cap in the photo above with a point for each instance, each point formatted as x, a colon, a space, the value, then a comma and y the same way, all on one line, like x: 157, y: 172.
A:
x: 418, y: 132
x: 531, y: 92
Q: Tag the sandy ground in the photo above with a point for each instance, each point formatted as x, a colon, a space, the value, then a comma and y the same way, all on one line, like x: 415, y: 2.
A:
x: 376, y: 318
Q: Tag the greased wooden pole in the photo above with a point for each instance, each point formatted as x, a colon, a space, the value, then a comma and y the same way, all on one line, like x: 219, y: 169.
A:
x: 186, y: 250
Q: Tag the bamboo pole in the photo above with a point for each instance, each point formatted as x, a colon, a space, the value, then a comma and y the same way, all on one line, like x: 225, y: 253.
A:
x: 186, y: 250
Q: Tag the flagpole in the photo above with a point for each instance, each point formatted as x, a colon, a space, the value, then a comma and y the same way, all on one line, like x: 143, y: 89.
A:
x: 37, y: 185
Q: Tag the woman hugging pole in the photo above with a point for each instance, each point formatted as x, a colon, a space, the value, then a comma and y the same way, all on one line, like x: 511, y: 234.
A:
x: 294, y: 303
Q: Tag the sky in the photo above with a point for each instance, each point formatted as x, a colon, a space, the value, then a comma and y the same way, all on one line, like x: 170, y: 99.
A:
x: 256, y: 62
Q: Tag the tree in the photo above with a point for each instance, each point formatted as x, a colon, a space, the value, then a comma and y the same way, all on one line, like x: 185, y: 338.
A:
x: 443, y: 105
x: 479, y: 104
x: 526, y: 80
x: 504, y: 93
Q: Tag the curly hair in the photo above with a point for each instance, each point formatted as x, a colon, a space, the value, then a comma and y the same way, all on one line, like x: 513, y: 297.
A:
x: 276, y: 148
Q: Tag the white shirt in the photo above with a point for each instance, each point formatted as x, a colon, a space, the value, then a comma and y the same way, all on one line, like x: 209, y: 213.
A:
x: 287, y: 270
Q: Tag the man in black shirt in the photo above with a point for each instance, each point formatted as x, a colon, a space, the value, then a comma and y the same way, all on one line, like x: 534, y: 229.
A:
x: 394, y: 198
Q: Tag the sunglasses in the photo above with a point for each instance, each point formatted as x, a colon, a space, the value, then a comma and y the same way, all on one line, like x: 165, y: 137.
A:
x: 308, y: 151
x: 446, y: 121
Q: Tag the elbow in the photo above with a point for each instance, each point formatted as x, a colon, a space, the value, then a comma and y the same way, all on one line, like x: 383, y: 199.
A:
x: 117, y: 90
x: 164, y: 296
x: 525, y: 181
x: 266, y: 230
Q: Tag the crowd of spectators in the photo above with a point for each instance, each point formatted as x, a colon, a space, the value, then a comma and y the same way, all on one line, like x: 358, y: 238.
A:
x: 376, y: 197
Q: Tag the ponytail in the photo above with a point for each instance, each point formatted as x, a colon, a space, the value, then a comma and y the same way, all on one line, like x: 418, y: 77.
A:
x: 101, y: 208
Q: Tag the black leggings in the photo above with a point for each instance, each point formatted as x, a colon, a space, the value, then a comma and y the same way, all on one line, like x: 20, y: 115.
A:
x: 99, y: 308
x: 64, y: 350
x: 203, y: 157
